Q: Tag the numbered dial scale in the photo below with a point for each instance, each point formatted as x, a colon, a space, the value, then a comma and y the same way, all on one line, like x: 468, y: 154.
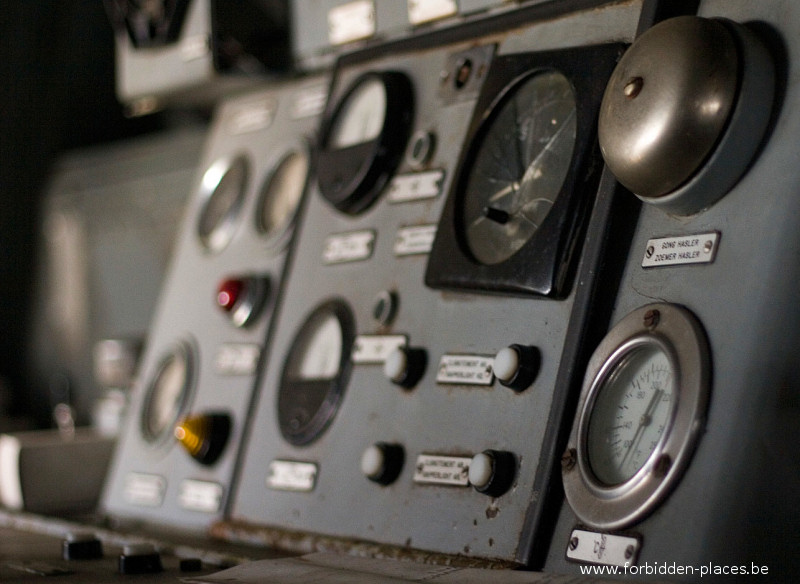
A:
x: 642, y: 407
x: 528, y: 176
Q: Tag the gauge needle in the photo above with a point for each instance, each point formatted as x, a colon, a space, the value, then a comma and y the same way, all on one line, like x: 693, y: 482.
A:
x: 644, y: 421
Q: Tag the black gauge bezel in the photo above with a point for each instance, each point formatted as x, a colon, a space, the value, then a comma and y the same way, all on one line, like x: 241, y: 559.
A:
x: 545, y: 264
x: 334, y: 388
x: 352, y: 178
x: 181, y: 350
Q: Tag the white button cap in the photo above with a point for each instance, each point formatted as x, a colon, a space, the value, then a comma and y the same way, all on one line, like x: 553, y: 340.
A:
x: 506, y: 364
x: 396, y: 365
x: 373, y: 461
x: 481, y: 470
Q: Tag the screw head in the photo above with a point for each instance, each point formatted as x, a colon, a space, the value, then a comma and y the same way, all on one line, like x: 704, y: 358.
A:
x: 569, y: 460
x: 629, y: 552
x: 650, y: 251
x: 633, y: 87
x: 651, y: 318
x: 573, y: 543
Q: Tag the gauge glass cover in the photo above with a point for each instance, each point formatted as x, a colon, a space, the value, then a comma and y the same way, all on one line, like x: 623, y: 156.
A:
x: 520, y: 166
x: 362, y: 115
x: 168, y: 394
x: 281, y: 194
x: 223, y: 187
x: 631, y: 413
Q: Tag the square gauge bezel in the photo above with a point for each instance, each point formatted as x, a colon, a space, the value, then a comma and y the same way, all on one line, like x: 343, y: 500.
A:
x: 544, y: 264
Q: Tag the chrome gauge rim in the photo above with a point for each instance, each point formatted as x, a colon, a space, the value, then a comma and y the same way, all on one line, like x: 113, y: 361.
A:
x: 672, y: 342
x: 222, y: 192
x: 164, y: 405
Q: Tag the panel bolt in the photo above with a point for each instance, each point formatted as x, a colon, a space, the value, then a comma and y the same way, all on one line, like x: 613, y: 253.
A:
x: 573, y: 544
x: 650, y: 251
x: 569, y: 460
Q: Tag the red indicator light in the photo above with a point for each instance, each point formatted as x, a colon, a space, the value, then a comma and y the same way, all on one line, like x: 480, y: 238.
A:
x: 228, y: 294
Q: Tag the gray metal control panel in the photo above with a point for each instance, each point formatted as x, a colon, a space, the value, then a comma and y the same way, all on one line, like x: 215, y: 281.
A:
x: 208, y: 336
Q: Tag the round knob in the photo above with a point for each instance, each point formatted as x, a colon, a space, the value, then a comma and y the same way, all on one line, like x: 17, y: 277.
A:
x: 492, y: 471
x: 139, y: 558
x: 385, y: 308
x: 204, y: 436
x: 517, y: 366
x: 243, y: 298
x: 682, y: 95
x: 405, y: 365
x: 81, y: 545
x: 382, y: 462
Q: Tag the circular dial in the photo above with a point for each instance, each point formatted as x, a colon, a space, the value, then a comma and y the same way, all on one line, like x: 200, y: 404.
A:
x: 281, y: 193
x: 316, y: 372
x: 630, y: 414
x: 364, y: 139
x: 168, y: 393
x: 223, y: 188
x: 519, y: 166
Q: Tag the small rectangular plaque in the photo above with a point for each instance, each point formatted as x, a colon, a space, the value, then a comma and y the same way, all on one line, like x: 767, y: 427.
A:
x: 351, y: 22
x: 442, y: 470
x: 602, y: 548
x: 373, y: 349
x: 465, y: 370
x: 348, y: 247
x: 252, y: 116
x: 309, y: 101
x: 420, y: 11
x: 144, y: 490
x: 237, y: 359
x: 684, y: 249
x: 288, y: 475
x: 414, y: 240
x: 414, y: 187
x: 202, y: 496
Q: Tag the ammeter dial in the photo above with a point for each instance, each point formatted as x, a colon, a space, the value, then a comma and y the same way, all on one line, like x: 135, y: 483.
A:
x: 168, y: 393
x: 222, y: 191
x: 642, y: 409
x: 316, y: 373
x: 281, y: 193
x: 363, y: 140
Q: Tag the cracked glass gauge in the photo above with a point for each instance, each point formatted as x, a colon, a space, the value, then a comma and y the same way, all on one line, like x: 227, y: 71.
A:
x: 316, y: 373
x: 642, y: 411
x: 520, y: 166
x: 280, y: 196
x: 168, y: 393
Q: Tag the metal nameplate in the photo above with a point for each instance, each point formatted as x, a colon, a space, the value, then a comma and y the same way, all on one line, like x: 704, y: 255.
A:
x: 465, y: 370
x: 414, y: 240
x: 355, y: 246
x: 289, y: 475
x: 351, y: 22
x: 420, y: 11
x: 602, y: 548
x: 200, y: 496
x: 681, y: 250
x: 309, y: 102
x: 432, y: 469
x: 252, y: 116
x: 405, y: 188
x: 194, y: 47
x: 237, y: 359
x: 373, y: 349
x: 144, y: 490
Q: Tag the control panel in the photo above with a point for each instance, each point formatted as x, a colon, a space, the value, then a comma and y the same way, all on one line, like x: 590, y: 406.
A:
x: 188, y: 411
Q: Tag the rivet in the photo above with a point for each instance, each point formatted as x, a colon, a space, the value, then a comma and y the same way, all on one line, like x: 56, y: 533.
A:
x: 633, y: 87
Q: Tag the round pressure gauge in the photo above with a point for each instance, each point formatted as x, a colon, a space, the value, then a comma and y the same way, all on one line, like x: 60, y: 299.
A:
x: 642, y: 408
x: 316, y: 372
x: 222, y: 191
x: 280, y: 196
x: 364, y: 139
x: 168, y: 393
x: 522, y: 157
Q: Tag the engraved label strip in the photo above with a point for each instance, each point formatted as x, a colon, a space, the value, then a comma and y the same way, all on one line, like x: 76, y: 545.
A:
x: 351, y: 22
x: 252, y: 116
x: 442, y: 470
x: 373, y: 349
x: 602, y: 548
x: 465, y: 370
x: 420, y: 11
x: 309, y: 102
x: 287, y: 475
x: 237, y: 359
x: 200, y: 496
x: 348, y: 247
x: 414, y: 240
x: 681, y: 250
x: 414, y: 187
x: 144, y: 490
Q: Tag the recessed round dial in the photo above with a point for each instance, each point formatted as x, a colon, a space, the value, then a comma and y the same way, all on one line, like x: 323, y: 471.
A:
x: 168, y: 393
x: 223, y: 191
x: 364, y: 139
x: 316, y: 373
x: 642, y: 410
x: 281, y: 194
x: 630, y: 414
x: 519, y: 166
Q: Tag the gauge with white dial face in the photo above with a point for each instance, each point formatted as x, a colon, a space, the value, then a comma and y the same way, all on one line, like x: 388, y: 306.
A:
x: 520, y: 166
x: 630, y: 415
x: 362, y: 115
x: 281, y: 194
x: 168, y: 393
x: 223, y: 191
